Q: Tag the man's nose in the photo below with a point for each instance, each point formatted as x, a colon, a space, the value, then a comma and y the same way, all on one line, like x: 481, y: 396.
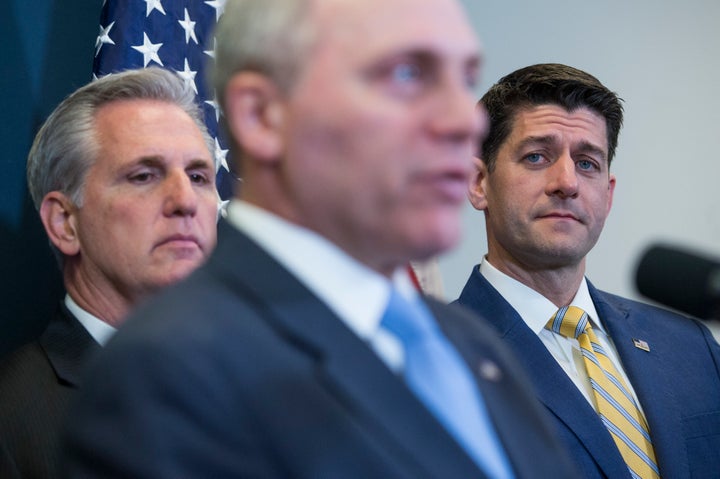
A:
x: 563, y: 178
x: 180, y: 195
x: 456, y: 117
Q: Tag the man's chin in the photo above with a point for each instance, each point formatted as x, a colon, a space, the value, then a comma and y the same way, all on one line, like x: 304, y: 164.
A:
x: 435, y: 241
x: 177, y: 270
x: 181, y: 251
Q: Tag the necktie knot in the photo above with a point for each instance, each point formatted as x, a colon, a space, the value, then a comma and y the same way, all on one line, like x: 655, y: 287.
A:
x: 614, y: 402
x: 438, y: 376
x: 407, y: 320
x: 569, y: 321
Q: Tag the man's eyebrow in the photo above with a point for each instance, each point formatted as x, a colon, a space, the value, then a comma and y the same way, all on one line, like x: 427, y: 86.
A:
x: 593, y: 149
x: 414, y: 53
x: 544, y: 140
x: 157, y: 161
x: 430, y: 54
x: 547, y: 140
x: 151, y: 160
x: 148, y: 161
x: 199, y: 163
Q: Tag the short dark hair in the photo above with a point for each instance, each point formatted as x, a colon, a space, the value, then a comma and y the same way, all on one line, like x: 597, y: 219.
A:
x: 547, y: 84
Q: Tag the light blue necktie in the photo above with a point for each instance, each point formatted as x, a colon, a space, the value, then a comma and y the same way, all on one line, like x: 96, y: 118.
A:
x: 439, y: 377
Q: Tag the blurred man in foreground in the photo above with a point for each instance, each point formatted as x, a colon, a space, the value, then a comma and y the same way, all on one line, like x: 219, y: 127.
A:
x: 301, y: 349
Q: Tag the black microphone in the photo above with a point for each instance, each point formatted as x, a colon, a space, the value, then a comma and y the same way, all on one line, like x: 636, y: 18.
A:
x: 681, y: 280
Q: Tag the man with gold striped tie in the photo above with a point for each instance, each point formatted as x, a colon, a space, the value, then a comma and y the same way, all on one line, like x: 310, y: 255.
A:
x: 634, y: 390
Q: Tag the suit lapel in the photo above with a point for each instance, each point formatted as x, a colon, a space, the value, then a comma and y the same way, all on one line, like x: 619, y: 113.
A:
x: 67, y: 345
x: 552, y: 386
x: 349, y: 369
x: 370, y: 391
x: 498, y: 383
x: 646, y: 371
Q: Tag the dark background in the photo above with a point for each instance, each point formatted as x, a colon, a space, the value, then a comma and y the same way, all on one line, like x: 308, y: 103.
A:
x: 46, y: 53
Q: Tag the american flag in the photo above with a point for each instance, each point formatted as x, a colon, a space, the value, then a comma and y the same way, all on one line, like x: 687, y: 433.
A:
x: 174, y: 34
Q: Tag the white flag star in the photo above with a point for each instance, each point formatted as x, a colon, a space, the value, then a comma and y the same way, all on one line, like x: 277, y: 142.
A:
x: 216, y: 107
x: 220, y: 157
x: 149, y: 51
x: 95, y: 77
x: 222, y: 208
x: 219, y: 6
x: 211, y: 53
x: 153, y: 5
x: 188, y: 76
x: 189, y: 27
x: 103, y: 38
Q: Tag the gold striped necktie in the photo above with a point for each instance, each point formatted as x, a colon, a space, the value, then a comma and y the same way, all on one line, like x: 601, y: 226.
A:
x: 616, y: 406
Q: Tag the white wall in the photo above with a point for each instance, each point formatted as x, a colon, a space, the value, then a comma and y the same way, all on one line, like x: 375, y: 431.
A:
x: 663, y: 58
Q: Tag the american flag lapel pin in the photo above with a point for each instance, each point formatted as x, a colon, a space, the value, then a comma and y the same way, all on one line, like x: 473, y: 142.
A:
x: 489, y: 370
x: 640, y: 344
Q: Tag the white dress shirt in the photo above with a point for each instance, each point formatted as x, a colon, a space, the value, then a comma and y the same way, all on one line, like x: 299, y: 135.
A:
x: 536, y: 310
x: 356, y: 293
x: 98, y: 329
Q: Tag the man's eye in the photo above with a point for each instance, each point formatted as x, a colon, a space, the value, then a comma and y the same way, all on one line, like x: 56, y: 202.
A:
x: 534, y: 158
x: 471, y: 79
x: 406, y: 72
x: 143, y: 177
x: 586, y: 165
x: 198, y: 178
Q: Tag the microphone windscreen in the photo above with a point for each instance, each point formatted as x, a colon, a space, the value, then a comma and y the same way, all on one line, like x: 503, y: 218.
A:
x: 681, y: 280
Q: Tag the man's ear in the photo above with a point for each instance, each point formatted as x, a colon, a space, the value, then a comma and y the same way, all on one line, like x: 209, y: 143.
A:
x: 612, y: 181
x: 58, y: 216
x: 255, y: 115
x: 477, y: 185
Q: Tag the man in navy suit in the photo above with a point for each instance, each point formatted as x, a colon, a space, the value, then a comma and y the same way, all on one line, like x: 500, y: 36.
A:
x: 122, y: 176
x: 354, y: 128
x: 544, y: 184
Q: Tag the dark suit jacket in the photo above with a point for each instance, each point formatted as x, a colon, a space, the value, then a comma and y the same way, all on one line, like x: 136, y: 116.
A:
x: 240, y: 371
x: 36, y: 384
x: 677, y: 382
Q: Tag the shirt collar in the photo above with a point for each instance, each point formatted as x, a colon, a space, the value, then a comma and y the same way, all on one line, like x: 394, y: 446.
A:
x: 534, y: 308
x: 356, y: 293
x: 96, y: 327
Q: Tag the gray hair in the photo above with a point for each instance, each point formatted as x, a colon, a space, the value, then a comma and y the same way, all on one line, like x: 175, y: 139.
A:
x: 66, y: 146
x: 271, y: 37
